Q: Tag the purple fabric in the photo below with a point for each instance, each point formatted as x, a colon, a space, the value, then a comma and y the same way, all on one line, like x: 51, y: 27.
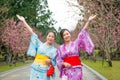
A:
x: 83, y: 42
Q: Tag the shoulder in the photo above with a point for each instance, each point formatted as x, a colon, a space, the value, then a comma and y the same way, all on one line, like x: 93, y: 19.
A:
x: 34, y: 35
x: 61, y: 46
x: 84, y: 30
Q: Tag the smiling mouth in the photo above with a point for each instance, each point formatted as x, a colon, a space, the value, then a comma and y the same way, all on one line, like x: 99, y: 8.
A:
x: 67, y: 38
x: 50, y: 40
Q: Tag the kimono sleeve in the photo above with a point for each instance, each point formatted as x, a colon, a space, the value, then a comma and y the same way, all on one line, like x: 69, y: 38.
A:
x: 59, y: 61
x: 34, y: 43
x: 53, y: 59
x: 84, y: 41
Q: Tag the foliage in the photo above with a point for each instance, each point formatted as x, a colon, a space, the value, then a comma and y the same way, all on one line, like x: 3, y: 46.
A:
x: 15, y: 37
x: 36, y: 12
x: 10, y: 33
x: 59, y: 39
x: 9, y: 9
x: 45, y: 22
x: 106, y: 27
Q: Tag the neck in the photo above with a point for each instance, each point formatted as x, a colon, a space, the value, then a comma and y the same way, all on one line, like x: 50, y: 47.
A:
x: 67, y: 42
x: 48, y: 44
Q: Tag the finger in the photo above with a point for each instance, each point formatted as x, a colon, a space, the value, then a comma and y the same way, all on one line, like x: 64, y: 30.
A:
x: 94, y: 16
x: 18, y: 16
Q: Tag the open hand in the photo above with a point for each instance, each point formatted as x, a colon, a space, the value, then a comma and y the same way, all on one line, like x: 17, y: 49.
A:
x: 92, y: 17
x: 21, y: 18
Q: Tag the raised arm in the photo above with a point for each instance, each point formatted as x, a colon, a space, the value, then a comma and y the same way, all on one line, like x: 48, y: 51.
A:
x: 90, y: 18
x: 21, y: 18
x: 83, y: 40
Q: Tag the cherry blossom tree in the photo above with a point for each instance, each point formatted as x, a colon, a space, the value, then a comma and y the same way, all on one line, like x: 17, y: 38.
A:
x: 107, y: 25
x: 15, y: 38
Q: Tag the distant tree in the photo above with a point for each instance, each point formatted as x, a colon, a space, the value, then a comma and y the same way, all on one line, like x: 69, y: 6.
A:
x: 21, y: 7
x: 15, y: 38
x: 12, y: 35
x: 45, y: 21
x: 59, y: 39
x: 107, y: 25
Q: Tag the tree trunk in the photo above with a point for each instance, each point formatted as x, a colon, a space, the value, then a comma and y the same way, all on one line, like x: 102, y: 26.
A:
x: 109, y: 59
x: 110, y: 63
x: 103, y: 56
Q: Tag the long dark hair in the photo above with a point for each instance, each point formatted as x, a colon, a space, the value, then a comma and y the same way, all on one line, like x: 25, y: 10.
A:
x: 62, y: 31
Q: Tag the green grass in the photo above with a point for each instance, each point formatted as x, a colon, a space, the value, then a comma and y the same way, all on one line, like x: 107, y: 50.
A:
x: 96, y: 51
x: 111, y: 73
x: 6, y: 67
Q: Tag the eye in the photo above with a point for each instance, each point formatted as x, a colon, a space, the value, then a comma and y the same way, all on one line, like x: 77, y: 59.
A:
x: 52, y: 36
x: 65, y: 34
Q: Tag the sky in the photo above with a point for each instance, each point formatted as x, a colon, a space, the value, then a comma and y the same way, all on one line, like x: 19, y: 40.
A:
x: 66, y: 16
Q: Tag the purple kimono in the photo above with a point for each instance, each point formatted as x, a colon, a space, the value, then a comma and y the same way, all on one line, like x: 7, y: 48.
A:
x: 83, y: 42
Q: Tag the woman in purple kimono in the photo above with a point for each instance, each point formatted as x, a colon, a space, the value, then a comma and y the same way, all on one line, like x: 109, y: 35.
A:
x: 67, y: 58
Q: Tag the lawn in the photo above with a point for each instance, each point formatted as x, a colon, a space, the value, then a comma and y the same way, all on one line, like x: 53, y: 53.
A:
x: 111, y: 73
x: 6, y: 67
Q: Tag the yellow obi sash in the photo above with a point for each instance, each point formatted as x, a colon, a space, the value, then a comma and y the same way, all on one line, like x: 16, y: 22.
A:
x: 41, y: 59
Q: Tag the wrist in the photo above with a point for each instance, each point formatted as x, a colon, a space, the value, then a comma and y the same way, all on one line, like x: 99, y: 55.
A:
x: 24, y: 21
x: 88, y: 20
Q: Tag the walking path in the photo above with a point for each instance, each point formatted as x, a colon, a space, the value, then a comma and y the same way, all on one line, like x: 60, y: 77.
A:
x: 23, y: 73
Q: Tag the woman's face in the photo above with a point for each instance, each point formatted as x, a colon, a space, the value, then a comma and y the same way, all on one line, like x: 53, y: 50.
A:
x: 66, y: 36
x: 50, y: 38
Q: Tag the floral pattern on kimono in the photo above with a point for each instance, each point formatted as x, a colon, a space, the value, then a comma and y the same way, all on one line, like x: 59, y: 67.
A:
x: 38, y: 71
x: 83, y: 42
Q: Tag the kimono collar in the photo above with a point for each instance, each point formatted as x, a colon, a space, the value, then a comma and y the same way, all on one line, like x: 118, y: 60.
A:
x: 49, y: 45
x: 68, y: 44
